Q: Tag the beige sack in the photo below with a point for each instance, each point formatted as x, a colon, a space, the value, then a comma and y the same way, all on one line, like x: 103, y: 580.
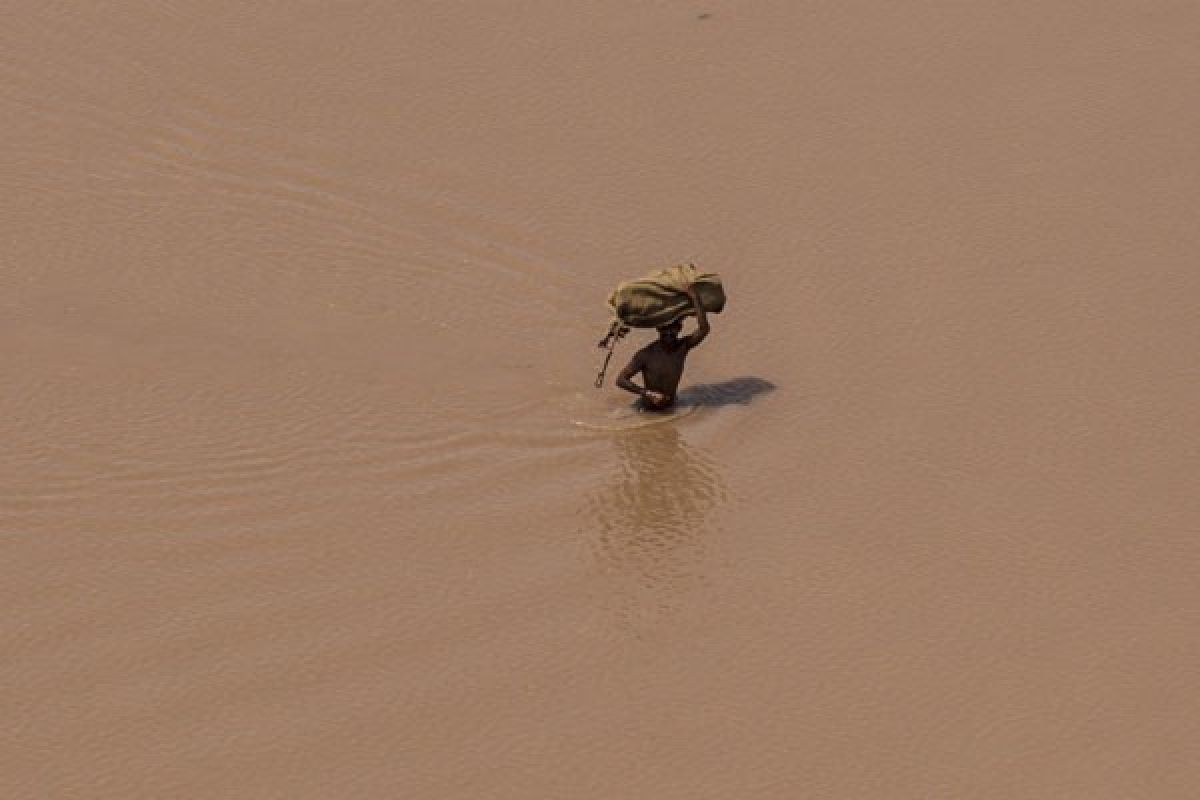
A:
x: 661, y: 297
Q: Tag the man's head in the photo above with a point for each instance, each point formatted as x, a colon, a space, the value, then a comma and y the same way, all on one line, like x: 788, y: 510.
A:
x: 669, y: 334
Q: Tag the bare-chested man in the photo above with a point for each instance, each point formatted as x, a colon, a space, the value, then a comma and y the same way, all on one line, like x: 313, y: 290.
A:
x: 661, y: 362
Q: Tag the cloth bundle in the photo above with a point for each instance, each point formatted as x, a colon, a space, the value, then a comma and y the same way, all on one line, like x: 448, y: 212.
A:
x: 661, y: 297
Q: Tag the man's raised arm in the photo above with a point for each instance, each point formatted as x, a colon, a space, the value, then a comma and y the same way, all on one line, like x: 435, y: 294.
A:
x: 701, y: 319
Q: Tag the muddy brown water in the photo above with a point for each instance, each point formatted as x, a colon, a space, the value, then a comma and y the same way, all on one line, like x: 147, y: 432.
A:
x: 298, y: 304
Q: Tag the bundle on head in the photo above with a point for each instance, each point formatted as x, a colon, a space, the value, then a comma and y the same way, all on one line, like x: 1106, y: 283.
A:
x: 660, y: 298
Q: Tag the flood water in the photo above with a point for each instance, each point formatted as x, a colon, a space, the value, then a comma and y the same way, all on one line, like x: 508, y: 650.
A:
x: 299, y: 303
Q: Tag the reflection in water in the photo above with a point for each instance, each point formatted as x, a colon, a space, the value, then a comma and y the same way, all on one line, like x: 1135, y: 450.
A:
x: 647, y: 516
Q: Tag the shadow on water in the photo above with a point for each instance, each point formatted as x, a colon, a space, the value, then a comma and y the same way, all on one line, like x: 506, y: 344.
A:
x: 645, y: 518
x: 733, y: 392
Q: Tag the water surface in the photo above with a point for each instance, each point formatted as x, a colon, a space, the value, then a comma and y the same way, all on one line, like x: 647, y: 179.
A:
x: 299, y: 302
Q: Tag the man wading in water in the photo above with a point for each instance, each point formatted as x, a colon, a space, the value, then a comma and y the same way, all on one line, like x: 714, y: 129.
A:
x: 661, y: 362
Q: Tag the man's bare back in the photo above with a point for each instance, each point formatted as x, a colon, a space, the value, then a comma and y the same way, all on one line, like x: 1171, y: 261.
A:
x: 661, y: 362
